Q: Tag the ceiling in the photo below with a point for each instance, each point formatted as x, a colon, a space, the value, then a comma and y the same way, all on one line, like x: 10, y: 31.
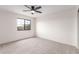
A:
x: 45, y: 9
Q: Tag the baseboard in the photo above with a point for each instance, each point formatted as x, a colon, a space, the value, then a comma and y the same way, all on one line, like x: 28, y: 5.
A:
x: 16, y: 40
x: 59, y: 42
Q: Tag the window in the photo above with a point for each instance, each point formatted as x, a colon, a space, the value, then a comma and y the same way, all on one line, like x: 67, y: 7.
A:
x: 23, y: 24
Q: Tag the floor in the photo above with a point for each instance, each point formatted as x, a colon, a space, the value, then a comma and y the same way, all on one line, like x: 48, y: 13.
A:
x: 37, y: 46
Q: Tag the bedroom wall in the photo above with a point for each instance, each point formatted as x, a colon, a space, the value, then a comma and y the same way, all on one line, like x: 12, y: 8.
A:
x: 8, y: 30
x: 60, y: 27
x: 78, y: 29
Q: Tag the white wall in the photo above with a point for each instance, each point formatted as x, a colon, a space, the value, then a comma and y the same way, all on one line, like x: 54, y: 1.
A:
x: 8, y: 30
x: 59, y: 27
x: 78, y: 29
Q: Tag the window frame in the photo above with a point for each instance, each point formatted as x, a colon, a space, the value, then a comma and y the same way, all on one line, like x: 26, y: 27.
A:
x: 24, y: 24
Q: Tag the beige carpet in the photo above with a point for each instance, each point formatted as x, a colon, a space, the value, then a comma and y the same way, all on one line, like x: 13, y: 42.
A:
x: 37, y: 46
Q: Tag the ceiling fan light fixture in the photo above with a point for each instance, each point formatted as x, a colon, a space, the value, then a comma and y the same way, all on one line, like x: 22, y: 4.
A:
x: 32, y: 11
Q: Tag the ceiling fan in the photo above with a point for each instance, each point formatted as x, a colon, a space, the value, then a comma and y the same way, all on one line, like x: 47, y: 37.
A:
x: 33, y: 9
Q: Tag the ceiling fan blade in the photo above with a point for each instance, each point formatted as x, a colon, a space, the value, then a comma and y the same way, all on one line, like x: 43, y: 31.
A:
x: 38, y: 11
x: 26, y: 10
x: 37, y: 7
x: 27, y: 6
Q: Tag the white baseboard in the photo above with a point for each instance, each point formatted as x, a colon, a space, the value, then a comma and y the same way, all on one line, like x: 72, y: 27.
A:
x: 16, y: 40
